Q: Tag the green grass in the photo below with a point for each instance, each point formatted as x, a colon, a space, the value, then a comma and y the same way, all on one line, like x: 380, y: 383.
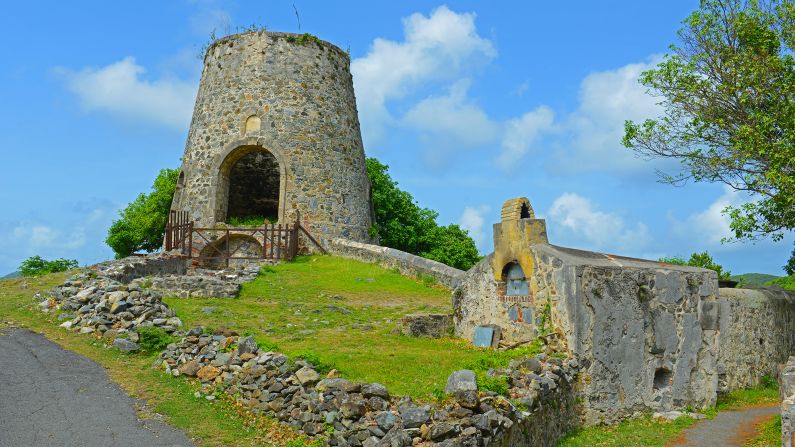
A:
x: 647, y: 432
x: 217, y: 423
x: 342, y: 313
x: 769, y: 434
x: 249, y: 221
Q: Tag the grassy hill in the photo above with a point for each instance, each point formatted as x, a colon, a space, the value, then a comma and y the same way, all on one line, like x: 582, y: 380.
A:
x: 11, y: 275
x: 754, y: 279
x: 341, y: 314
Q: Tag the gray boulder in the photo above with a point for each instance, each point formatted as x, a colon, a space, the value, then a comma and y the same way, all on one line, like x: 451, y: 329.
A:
x: 247, y: 345
x: 124, y: 345
x: 463, y: 380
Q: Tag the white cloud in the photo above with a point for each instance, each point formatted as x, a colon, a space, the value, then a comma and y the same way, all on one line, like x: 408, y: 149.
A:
x: 119, y: 88
x: 436, y: 47
x: 607, y: 99
x: 577, y: 216
x: 709, y: 226
x: 522, y: 132
x: 452, y: 118
x: 473, y: 220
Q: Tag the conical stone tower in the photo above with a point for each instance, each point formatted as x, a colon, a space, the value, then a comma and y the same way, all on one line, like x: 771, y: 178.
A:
x: 275, y: 132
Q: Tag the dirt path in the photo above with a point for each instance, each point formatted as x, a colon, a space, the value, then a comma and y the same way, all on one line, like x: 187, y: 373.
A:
x: 727, y: 429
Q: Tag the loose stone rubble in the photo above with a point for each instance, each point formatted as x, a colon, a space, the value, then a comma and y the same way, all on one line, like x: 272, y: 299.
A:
x: 107, y: 307
x: 364, y: 414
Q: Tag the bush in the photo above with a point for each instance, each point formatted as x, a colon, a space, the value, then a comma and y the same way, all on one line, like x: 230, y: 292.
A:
x: 153, y: 339
x: 36, y: 266
x: 142, y: 223
x: 402, y: 224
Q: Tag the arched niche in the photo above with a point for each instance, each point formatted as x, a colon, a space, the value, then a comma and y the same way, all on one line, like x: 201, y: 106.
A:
x: 516, y: 283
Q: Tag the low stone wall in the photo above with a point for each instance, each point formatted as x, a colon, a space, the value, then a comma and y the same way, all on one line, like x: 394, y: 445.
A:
x: 539, y: 408
x: 421, y: 325
x: 126, y: 269
x: 201, y: 283
x: 407, y: 263
x: 786, y: 389
x: 757, y: 333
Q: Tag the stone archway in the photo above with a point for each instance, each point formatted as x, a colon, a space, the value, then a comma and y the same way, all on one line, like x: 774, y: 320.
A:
x: 250, y: 185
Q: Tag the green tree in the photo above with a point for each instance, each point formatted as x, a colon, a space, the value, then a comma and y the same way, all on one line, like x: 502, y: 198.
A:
x: 729, y: 109
x: 141, y: 225
x: 790, y: 267
x: 36, y: 266
x: 402, y: 224
x: 703, y: 260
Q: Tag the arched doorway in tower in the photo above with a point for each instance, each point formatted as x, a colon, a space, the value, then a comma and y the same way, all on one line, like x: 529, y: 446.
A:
x: 250, y: 186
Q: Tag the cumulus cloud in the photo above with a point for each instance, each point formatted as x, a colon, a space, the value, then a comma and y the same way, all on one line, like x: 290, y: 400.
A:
x: 607, y: 99
x: 520, y: 133
x: 452, y: 118
x: 121, y: 89
x: 437, y: 47
x: 709, y: 226
x: 473, y: 220
x: 584, y: 223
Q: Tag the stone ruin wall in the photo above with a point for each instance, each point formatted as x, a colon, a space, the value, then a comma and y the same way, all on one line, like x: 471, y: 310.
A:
x: 757, y: 334
x: 293, y: 97
x: 644, y: 339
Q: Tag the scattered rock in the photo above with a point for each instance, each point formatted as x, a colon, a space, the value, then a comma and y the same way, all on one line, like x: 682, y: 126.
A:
x: 208, y: 373
x: 124, y: 345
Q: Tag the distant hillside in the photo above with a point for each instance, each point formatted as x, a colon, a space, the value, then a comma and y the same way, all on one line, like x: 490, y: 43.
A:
x: 754, y: 279
x: 11, y: 275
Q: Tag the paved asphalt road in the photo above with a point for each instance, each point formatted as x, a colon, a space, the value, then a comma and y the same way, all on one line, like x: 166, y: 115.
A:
x: 52, y: 397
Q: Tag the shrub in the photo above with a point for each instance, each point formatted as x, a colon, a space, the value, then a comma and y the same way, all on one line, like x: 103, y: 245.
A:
x: 36, y: 266
x: 153, y: 339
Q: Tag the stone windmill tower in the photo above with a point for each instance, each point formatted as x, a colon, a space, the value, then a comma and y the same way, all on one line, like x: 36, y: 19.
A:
x: 275, y: 132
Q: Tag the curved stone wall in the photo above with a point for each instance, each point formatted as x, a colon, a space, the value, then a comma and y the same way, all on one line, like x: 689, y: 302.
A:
x: 292, y: 97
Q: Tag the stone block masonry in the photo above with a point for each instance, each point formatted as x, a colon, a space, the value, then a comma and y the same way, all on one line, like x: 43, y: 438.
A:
x: 275, y: 132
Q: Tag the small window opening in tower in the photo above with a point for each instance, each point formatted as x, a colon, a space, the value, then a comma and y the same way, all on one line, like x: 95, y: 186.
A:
x: 525, y: 212
x: 515, y: 280
x: 254, y: 187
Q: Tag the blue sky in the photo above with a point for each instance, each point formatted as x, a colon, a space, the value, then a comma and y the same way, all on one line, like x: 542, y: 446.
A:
x: 469, y: 103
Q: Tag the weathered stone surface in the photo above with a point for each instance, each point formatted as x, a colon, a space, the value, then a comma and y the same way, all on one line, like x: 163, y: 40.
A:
x: 582, y: 296
x: 247, y: 345
x: 190, y: 368
x: 756, y: 327
x: 124, y: 345
x: 208, y: 373
x: 463, y: 380
x: 307, y: 376
x: 414, y: 417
